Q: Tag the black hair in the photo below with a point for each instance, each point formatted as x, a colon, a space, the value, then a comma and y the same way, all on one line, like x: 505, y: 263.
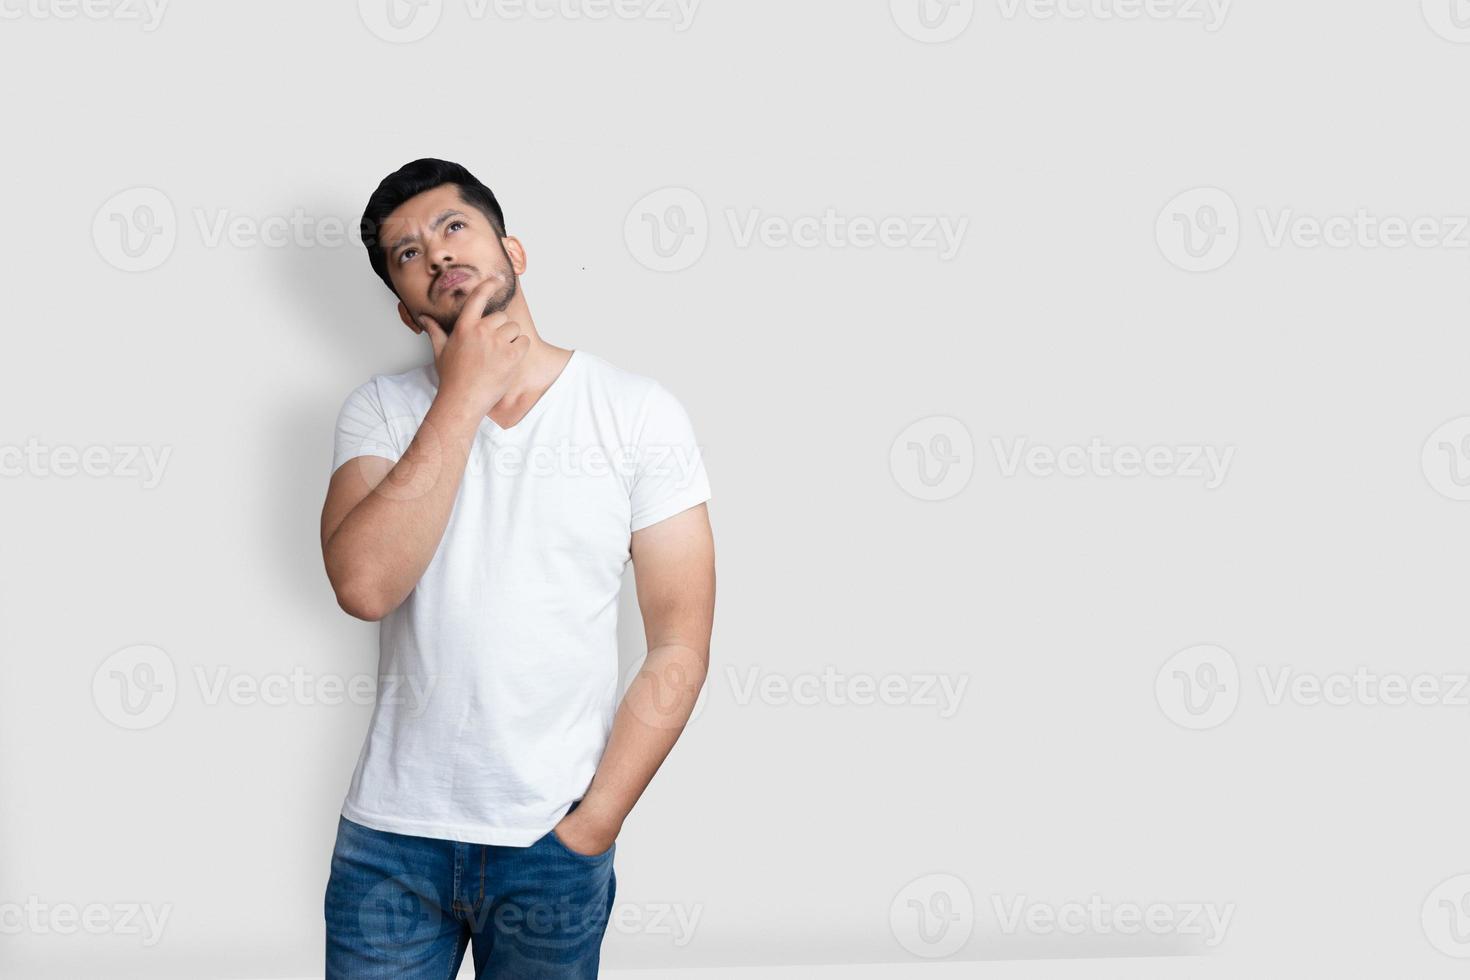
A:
x: 410, y: 180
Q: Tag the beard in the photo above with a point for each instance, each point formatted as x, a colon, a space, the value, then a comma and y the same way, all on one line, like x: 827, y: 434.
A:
x: 497, y: 302
x: 503, y: 296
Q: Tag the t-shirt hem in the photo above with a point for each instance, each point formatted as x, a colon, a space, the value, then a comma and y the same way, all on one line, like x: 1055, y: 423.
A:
x: 675, y: 506
x: 467, y: 834
x: 379, y: 451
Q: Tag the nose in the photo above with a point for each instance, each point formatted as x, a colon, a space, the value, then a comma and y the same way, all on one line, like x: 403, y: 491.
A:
x: 442, y: 259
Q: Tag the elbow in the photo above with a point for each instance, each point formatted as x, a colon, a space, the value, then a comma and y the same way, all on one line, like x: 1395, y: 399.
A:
x: 367, y: 612
x: 361, y: 600
x: 358, y: 595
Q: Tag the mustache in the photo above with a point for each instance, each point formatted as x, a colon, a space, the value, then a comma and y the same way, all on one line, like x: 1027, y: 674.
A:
x: 435, y: 288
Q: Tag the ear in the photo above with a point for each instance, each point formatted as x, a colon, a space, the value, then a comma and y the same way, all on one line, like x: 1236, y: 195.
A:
x: 407, y: 318
x: 517, y: 253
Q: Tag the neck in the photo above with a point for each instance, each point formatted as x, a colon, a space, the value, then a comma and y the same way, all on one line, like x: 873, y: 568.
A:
x: 543, y: 361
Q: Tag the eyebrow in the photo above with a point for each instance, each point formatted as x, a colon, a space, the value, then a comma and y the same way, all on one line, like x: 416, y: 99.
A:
x: 433, y: 226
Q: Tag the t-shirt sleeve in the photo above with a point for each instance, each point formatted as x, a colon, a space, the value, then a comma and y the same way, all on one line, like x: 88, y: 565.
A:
x: 669, y: 474
x: 362, y: 427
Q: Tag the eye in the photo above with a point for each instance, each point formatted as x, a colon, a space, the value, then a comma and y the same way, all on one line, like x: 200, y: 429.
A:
x: 404, y: 255
x: 457, y: 223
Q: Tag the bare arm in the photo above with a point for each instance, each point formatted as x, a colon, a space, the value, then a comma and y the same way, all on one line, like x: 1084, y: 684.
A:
x: 383, y: 521
x: 674, y: 565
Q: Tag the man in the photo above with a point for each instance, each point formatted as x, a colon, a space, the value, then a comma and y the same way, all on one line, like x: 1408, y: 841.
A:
x: 483, y: 508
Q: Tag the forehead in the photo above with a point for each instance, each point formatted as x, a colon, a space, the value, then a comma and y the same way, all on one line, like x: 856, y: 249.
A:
x: 416, y: 212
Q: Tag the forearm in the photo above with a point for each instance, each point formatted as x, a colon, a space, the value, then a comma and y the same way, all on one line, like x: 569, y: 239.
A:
x: 380, y: 550
x: 647, y: 724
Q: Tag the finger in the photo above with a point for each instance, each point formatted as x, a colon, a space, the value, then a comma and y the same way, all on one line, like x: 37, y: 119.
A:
x: 510, y: 330
x: 474, y: 305
x: 436, y: 333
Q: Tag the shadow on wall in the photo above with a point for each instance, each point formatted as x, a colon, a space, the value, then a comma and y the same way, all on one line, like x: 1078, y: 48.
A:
x: 352, y: 312
x: 349, y: 325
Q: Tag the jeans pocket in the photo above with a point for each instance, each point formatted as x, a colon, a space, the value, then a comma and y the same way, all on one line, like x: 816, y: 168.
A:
x: 559, y: 843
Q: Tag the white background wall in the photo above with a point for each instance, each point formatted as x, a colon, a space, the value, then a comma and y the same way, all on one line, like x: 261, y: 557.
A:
x: 1069, y: 153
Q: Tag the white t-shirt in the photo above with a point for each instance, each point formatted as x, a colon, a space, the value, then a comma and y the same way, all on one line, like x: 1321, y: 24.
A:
x: 498, y: 675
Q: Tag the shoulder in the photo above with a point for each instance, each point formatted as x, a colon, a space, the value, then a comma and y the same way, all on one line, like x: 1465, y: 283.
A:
x: 404, y: 387
x: 628, y: 390
x: 603, y: 372
x: 642, y: 407
x: 413, y: 381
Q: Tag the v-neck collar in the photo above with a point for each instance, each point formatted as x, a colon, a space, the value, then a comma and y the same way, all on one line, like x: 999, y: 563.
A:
x: 540, y: 404
x: 531, y: 413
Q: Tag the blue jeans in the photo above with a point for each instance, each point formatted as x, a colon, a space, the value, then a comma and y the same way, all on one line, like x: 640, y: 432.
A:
x: 406, y: 907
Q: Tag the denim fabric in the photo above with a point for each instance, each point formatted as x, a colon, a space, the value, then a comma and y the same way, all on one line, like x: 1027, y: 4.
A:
x: 406, y: 907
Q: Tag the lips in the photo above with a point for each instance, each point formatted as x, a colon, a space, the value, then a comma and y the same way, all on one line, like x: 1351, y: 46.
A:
x: 449, y: 280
